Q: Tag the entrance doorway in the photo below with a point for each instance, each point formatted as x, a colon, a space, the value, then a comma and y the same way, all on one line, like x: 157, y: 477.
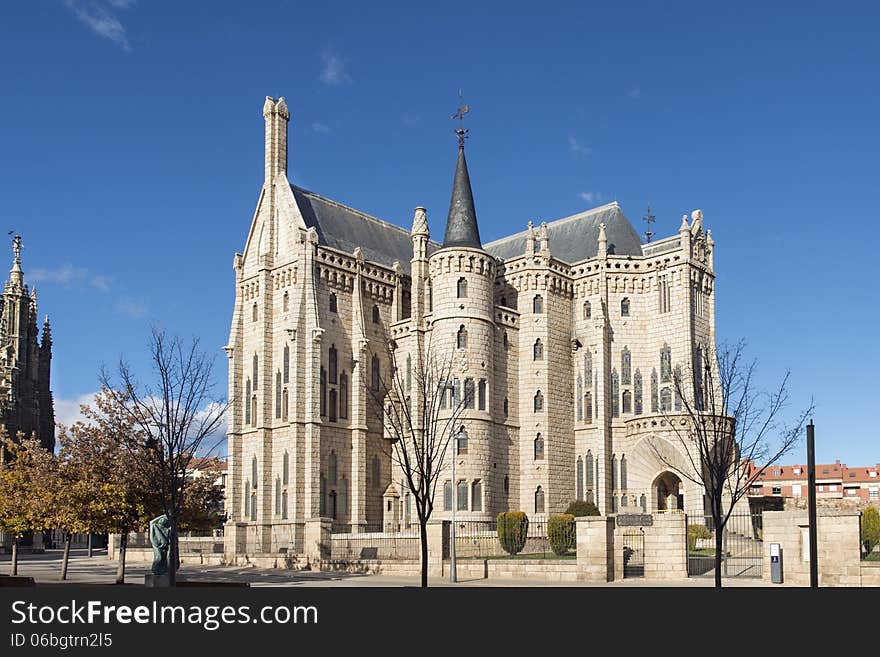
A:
x: 668, y: 492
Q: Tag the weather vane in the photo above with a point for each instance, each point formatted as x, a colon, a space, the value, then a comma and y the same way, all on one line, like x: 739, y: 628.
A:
x: 462, y: 110
x: 649, y: 219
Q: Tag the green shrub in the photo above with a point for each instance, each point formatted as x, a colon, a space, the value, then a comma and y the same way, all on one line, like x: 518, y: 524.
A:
x: 580, y: 508
x: 513, y: 529
x: 561, y: 533
x: 695, y: 532
x: 870, y: 532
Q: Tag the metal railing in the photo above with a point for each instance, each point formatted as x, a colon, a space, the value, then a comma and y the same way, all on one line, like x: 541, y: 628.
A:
x: 478, y: 539
x: 405, y: 544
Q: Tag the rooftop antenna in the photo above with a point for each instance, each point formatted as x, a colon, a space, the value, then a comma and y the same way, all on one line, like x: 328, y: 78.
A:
x: 649, y: 219
x: 462, y: 110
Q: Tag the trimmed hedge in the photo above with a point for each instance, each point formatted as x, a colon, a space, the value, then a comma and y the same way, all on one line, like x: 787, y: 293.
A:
x: 581, y: 508
x: 513, y: 529
x: 695, y: 532
x: 561, y: 533
x: 870, y: 528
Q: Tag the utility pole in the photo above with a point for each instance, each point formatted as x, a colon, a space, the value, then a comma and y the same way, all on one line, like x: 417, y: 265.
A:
x: 811, y: 484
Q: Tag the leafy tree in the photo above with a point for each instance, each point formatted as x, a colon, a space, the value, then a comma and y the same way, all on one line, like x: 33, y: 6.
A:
x: 581, y: 508
x: 870, y: 531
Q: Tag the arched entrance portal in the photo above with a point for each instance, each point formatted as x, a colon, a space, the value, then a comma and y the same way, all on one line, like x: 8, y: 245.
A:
x: 668, y: 492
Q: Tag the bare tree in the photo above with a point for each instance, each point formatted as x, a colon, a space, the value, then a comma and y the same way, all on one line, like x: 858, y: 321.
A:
x: 732, y: 431
x: 421, y: 409
x: 176, y: 413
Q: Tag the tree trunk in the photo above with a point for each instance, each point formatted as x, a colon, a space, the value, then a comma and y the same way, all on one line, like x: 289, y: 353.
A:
x: 719, y: 545
x: 424, y: 544
x: 173, y: 561
x: 89, y: 539
x: 120, y: 566
x: 64, y: 559
x: 14, y: 555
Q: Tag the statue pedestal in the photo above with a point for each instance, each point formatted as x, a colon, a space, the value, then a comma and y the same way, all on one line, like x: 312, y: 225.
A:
x: 152, y: 581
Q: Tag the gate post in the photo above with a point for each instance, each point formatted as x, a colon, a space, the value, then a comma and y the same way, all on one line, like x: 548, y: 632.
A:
x: 595, y: 548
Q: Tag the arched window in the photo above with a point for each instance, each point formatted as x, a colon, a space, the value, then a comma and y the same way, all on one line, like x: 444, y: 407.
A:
x: 375, y: 314
x: 588, y: 369
x: 256, y: 368
x: 539, y: 402
x: 277, y: 496
x: 333, y: 406
x: 456, y: 392
x: 615, y: 394
x: 637, y: 389
x: 254, y: 408
x: 331, y: 468
x: 503, y: 302
x: 322, y: 493
x: 588, y: 310
x: 588, y: 468
x: 624, y: 307
x: 332, y: 363
x: 377, y: 473
x: 615, y: 473
x: 430, y: 293
x: 505, y: 341
x: 376, y: 373
x: 665, y: 364
x: 285, y: 469
x: 699, y: 396
x: 665, y: 400
x: 461, y: 496
x: 579, y: 491
x: 286, y: 369
x: 253, y: 506
x: 408, y: 373
x: 278, y: 395
x: 626, y: 399
x: 254, y: 313
x: 462, y: 288
x: 506, y: 484
x: 626, y: 366
x: 643, y: 502
x: 676, y: 389
x: 623, y: 482
x: 654, y: 394
x: 285, y: 302
x: 461, y: 337
x: 461, y: 442
x: 343, y: 395
x: 579, y: 403
x: 247, y: 499
x: 623, y: 500
x: 447, y: 496
x: 506, y: 407
x: 538, y: 304
x: 588, y: 407
x: 539, y: 500
x: 247, y: 405
x: 284, y: 405
x: 477, y: 496
x: 254, y: 471
x: 538, y: 350
x: 469, y: 393
x: 539, y: 447
x: 481, y: 395
x: 333, y: 302
x: 323, y: 391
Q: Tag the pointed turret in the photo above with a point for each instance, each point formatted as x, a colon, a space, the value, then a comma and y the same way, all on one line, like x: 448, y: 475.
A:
x: 461, y: 225
x: 46, y: 342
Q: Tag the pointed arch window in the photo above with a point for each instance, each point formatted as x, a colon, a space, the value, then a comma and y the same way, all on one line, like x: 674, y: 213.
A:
x: 506, y: 484
x: 343, y: 395
x: 539, y: 402
x: 333, y: 308
x: 469, y: 393
x: 588, y: 310
x: 626, y: 401
x: 614, y: 472
x: 665, y: 364
x: 277, y: 496
x: 375, y: 372
x: 477, y: 496
x: 481, y: 395
x: 699, y: 394
x: 461, y: 337
x: 284, y: 405
x: 588, y: 407
x: 284, y: 505
x: 580, y: 399
x: 323, y: 391
x: 538, y: 350
x: 503, y: 302
x: 254, y: 313
x: 588, y: 467
x: 286, y: 364
x: 447, y: 495
x: 580, y: 479
x: 253, y: 506
x: 285, y: 302
x: 331, y: 468
x: 539, y: 500
x: 665, y: 400
x: 461, y: 288
x: 256, y: 369
x: 285, y: 469
x: 332, y: 363
x: 278, y: 395
x: 623, y: 482
x: 538, y: 304
x: 332, y: 398
x: 588, y: 369
x: 676, y: 388
x: 539, y: 447
x: 247, y: 499
x: 461, y: 496
x: 626, y: 366
x: 408, y: 373
x: 615, y: 394
x: 254, y: 408
x: 247, y: 404
x: 637, y: 389
x: 375, y: 314
x: 654, y: 392
x: 505, y: 341
x: 624, y: 307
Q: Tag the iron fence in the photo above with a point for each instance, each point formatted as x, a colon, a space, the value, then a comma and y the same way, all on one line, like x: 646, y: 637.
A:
x: 404, y: 544
x: 634, y: 553
x: 742, y: 552
x: 478, y: 539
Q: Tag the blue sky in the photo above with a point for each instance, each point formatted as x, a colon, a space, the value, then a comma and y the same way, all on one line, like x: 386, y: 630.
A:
x: 131, y: 141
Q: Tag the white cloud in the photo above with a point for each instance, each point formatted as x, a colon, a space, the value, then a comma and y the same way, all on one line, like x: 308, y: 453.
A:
x: 333, y: 71
x: 64, y: 275
x: 591, y: 197
x: 320, y: 128
x: 98, y: 16
x: 131, y: 308
x: 67, y: 411
x: 635, y: 93
x: 578, y: 148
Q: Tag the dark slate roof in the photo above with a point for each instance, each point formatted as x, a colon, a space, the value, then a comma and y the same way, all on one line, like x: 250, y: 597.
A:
x: 575, y: 238
x: 461, y: 224
x: 344, y: 228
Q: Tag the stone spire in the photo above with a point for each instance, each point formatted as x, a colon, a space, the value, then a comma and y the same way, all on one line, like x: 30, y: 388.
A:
x: 603, y: 241
x: 47, y: 334
x: 461, y: 225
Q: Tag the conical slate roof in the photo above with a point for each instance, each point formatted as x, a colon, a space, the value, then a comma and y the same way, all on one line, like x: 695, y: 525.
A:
x: 461, y: 225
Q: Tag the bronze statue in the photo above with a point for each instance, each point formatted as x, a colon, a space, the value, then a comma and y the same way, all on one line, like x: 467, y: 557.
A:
x: 160, y: 539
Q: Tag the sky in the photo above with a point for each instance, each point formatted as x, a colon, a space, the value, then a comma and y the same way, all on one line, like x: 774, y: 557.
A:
x: 131, y: 137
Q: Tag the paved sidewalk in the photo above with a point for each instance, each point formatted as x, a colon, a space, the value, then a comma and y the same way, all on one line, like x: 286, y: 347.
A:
x: 46, y: 568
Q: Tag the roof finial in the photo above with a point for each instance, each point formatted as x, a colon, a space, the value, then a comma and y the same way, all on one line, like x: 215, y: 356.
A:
x: 16, y: 261
x: 462, y: 110
x: 649, y: 219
